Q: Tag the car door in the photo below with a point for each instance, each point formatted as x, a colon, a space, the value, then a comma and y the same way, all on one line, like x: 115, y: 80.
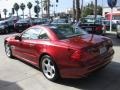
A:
x: 26, y: 48
x: 28, y: 44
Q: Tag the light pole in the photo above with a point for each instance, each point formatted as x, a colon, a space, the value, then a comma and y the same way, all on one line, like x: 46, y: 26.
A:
x: 111, y: 19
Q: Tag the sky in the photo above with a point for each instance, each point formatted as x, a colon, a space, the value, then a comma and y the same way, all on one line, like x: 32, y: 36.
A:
x: 62, y: 5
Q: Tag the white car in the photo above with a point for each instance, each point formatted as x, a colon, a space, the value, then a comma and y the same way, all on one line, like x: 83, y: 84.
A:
x: 118, y: 31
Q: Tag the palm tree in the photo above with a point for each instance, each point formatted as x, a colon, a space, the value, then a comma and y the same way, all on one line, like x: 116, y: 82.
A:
x: 37, y: 10
x: 5, y: 12
x: 22, y: 6
x: 77, y: 10
x: 74, y: 10
x: 29, y: 5
x: 46, y: 5
x: 16, y: 7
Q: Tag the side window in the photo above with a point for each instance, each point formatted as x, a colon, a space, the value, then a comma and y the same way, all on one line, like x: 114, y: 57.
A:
x: 35, y: 33
x: 43, y: 35
x: 31, y: 34
x: 26, y: 35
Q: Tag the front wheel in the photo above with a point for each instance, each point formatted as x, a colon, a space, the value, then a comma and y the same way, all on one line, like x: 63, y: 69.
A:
x: 8, y: 50
x: 49, y: 68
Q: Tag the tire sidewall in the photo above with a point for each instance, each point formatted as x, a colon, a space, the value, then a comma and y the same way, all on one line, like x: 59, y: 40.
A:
x: 56, y: 77
x: 10, y: 50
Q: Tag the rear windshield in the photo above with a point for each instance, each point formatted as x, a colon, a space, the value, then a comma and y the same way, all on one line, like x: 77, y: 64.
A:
x: 64, y: 32
x: 91, y: 20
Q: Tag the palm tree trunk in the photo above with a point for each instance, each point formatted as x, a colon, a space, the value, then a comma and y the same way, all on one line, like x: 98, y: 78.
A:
x: 77, y: 10
x: 48, y: 8
x: 30, y: 17
x: 30, y: 13
x: 23, y: 14
x: 95, y: 10
x: 5, y: 16
x: 73, y: 10
x: 81, y: 8
x: 17, y: 14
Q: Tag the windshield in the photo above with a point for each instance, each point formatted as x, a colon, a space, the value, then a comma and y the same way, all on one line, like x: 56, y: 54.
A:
x: 23, y: 21
x: 91, y: 20
x: 36, y: 20
x: 60, y: 21
x: 67, y: 31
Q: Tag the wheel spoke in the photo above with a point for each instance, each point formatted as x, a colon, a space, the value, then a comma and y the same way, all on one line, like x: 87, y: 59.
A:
x: 48, y: 68
x: 7, y: 49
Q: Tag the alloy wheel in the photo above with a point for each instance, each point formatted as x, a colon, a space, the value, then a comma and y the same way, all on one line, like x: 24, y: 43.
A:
x: 48, y: 68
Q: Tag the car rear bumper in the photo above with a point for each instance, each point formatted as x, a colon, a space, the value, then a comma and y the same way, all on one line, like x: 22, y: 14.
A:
x: 83, y: 71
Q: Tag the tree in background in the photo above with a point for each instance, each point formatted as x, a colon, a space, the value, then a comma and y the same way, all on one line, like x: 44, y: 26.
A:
x: 89, y: 9
x: 22, y: 7
x: 16, y: 7
x: 29, y: 5
x: 99, y: 10
x: 37, y: 10
x: 5, y: 12
x: 46, y: 5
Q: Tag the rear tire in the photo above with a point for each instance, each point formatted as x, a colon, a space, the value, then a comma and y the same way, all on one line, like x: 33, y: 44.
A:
x: 49, y: 68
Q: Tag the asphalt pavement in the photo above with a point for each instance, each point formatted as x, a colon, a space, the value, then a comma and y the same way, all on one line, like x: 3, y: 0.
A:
x: 18, y: 75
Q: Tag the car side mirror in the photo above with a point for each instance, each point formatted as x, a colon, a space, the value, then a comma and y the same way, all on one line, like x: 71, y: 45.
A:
x: 17, y: 37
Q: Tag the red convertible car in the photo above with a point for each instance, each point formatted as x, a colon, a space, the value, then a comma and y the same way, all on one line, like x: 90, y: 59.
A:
x: 61, y: 51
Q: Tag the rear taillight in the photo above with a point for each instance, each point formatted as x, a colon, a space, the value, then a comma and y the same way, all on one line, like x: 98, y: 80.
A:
x: 76, y: 56
x: 98, y: 28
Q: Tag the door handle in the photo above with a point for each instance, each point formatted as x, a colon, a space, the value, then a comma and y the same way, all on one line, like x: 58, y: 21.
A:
x: 31, y: 45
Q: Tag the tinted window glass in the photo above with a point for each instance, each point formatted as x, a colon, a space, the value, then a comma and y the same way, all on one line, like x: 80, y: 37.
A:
x: 43, y: 35
x: 31, y: 34
x: 66, y: 31
x: 35, y: 33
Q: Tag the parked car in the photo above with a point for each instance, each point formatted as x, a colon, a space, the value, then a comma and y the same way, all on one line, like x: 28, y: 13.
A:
x: 21, y: 25
x: 59, y: 21
x: 107, y: 24
x: 118, y: 30
x: 92, y: 26
x: 61, y: 51
x: 3, y: 27
x: 36, y: 21
x: 45, y: 20
x: 14, y: 18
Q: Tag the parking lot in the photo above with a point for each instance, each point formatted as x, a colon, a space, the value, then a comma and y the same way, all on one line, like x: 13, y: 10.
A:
x: 18, y: 75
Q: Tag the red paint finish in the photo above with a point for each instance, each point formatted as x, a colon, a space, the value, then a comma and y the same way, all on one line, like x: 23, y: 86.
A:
x: 75, y: 57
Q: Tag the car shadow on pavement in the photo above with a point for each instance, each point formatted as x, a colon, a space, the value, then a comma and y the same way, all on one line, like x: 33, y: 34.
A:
x: 5, y: 85
x: 105, y: 79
